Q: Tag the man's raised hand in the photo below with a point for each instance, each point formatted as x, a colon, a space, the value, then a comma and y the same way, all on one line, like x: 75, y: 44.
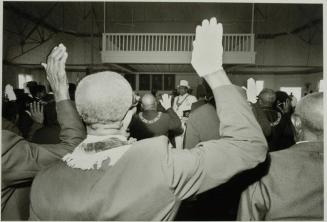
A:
x: 207, y: 55
x: 36, y: 110
x: 207, y: 47
x: 166, y: 101
x: 56, y: 74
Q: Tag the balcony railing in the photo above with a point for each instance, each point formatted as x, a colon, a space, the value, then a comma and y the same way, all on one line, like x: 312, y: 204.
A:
x: 123, y: 45
x: 170, y: 42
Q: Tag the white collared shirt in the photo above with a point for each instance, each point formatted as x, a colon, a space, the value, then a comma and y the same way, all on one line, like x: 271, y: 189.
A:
x: 185, y: 101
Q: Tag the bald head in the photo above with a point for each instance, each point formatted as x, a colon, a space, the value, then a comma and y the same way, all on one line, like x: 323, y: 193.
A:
x: 267, y: 97
x: 310, y: 110
x: 103, y: 98
x: 149, y: 102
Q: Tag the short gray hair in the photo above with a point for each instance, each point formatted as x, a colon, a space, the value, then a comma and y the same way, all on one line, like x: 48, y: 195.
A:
x: 103, y: 97
x: 310, y: 109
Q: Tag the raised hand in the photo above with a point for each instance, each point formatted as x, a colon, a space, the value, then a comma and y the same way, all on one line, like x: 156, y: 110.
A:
x: 207, y: 47
x: 166, y: 101
x: 9, y: 93
x: 37, y: 114
x: 56, y: 74
x: 207, y: 55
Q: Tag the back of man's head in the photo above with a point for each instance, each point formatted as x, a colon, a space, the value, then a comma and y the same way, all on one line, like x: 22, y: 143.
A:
x: 311, y: 114
x: 149, y: 102
x: 103, y: 98
x: 267, y: 97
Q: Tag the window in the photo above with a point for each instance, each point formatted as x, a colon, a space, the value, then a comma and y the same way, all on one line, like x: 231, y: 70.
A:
x: 131, y: 78
x: 157, y: 82
x: 169, y: 81
x: 144, y: 82
x: 23, y: 78
x: 296, y: 91
x: 259, y: 86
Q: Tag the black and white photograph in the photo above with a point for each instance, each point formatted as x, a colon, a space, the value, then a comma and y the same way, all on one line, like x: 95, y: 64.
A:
x: 163, y: 110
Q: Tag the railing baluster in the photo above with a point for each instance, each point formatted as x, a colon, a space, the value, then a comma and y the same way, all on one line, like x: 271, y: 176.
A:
x: 166, y: 43
x: 170, y: 41
x: 133, y: 37
x: 183, y: 43
x: 188, y: 43
x: 107, y: 42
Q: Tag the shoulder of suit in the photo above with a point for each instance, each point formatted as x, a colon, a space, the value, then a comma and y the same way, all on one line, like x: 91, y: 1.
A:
x: 206, y: 108
x: 159, y: 140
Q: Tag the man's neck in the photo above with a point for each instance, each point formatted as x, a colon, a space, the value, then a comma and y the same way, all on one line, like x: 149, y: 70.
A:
x: 104, y: 130
x: 312, y: 137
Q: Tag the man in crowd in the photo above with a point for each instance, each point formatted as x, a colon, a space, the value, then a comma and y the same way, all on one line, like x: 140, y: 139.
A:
x: 22, y: 160
x: 293, y: 189
x: 151, y: 123
x: 182, y: 106
x: 203, y: 123
x: 107, y: 178
x: 284, y: 106
x: 279, y: 124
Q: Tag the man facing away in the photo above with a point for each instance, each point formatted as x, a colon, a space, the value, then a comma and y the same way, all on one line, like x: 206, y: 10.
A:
x: 107, y: 178
x: 151, y: 123
x: 293, y: 189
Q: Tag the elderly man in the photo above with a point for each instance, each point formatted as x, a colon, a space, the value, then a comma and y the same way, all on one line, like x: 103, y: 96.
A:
x: 21, y: 160
x: 151, y: 123
x: 107, y: 178
x: 293, y: 189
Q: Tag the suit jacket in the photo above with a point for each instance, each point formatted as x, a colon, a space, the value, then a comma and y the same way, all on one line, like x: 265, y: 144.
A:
x: 167, y: 122
x: 149, y: 181
x: 22, y: 160
x: 202, y: 125
x: 292, y: 190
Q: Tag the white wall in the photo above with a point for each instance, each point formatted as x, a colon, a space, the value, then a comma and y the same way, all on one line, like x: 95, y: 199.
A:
x: 276, y: 81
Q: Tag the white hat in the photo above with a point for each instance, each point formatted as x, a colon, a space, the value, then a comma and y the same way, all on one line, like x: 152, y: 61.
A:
x: 184, y: 83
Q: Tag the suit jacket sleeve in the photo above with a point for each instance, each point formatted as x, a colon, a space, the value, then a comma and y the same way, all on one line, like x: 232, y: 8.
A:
x: 242, y: 146
x: 254, y: 203
x: 175, y: 124
x: 191, y: 137
x: 21, y: 160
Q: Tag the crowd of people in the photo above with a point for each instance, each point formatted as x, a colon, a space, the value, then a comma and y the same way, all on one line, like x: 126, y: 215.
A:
x: 97, y: 151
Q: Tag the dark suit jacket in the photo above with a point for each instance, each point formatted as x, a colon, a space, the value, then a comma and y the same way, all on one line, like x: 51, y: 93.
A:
x: 22, y: 160
x: 168, y: 121
x: 202, y: 125
x: 149, y: 181
x: 292, y: 190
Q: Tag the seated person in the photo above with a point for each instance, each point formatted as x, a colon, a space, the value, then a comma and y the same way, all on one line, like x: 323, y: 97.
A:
x: 21, y: 160
x: 151, y: 123
x: 293, y: 189
x: 108, y: 177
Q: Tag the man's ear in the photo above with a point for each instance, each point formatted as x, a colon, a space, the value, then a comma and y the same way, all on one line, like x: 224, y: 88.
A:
x: 297, y: 124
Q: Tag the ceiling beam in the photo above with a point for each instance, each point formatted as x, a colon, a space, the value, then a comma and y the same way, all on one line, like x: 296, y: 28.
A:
x: 38, y: 22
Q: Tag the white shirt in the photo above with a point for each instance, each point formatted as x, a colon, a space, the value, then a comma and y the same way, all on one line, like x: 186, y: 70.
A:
x: 183, y: 103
